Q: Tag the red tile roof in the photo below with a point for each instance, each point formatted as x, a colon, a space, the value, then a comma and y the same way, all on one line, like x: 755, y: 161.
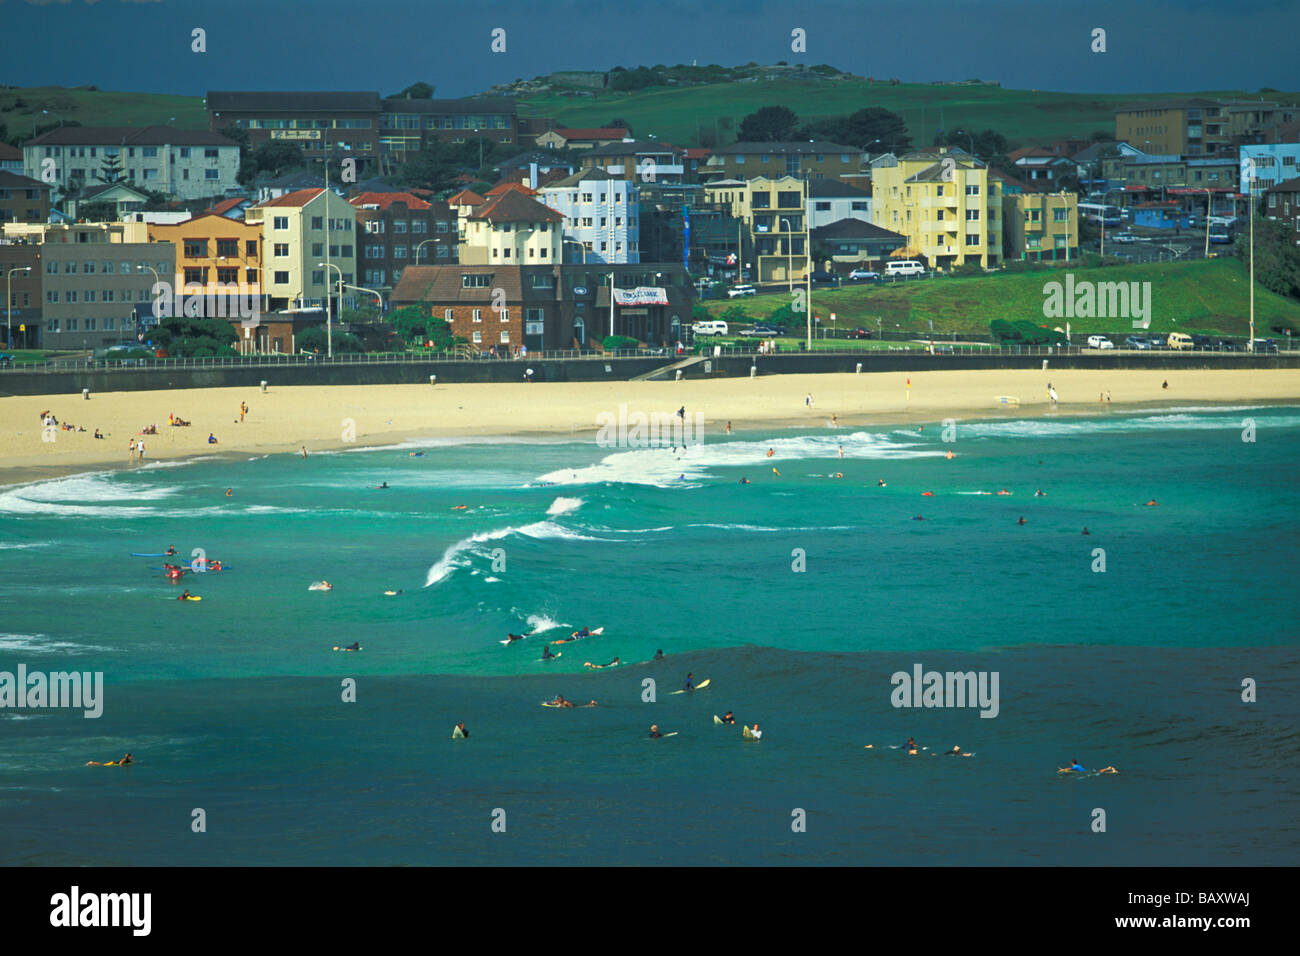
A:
x: 226, y: 205
x: 513, y: 206
x: 466, y: 197
x: 384, y: 200
x: 500, y: 188
x: 299, y: 197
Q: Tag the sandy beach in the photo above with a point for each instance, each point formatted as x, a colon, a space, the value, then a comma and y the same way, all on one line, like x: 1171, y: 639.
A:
x: 320, y: 418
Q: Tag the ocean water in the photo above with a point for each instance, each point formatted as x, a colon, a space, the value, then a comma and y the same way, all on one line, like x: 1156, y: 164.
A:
x: 798, y: 595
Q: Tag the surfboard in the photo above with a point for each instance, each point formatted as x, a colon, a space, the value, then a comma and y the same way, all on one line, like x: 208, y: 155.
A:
x: 456, y: 734
x: 509, y: 641
x: 552, y: 657
x: 717, y: 719
x: 700, y: 686
x: 391, y: 593
x: 319, y: 586
x: 152, y: 554
x: 337, y: 648
x: 662, y: 736
x: 747, y: 733
x: 193, y: 597
x: 551, y: 703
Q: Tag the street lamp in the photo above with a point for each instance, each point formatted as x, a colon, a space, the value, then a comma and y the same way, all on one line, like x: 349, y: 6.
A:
x: 420, y: 246
x: 611, y: 303
x: 361, y: 288
x: 972, y: 142
x: 1209, y: 202
x: 329, y: 300
x: 580, y: 245
x: 9, y: 298
x: 789, y: 251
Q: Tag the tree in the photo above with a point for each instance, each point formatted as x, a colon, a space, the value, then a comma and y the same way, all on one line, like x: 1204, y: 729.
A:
x: 274, y: 156
x: 417, y: 324
x: 110, y: 170
x: 417, y: 91
x: 771, y: 124
x: 620, y: 123
x: 195, y: 338
x: 315, y: 339
x: 862, y: 129
x: 1277, y: 257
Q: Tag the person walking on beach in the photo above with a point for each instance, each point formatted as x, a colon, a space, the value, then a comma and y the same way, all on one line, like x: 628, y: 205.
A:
x: 304, y: 451
x: 243, y: 410
x: 131, y: 448
x: 808, y: 400
x: 139, y: 449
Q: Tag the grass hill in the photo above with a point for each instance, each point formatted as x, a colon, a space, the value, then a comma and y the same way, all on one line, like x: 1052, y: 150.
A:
x: 20, y: 109
x: 1205, y: 295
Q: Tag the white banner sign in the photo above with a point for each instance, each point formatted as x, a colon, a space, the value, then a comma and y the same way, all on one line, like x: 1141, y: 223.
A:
x: 642, y: 295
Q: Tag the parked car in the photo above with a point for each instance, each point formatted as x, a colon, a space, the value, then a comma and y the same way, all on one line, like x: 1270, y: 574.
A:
x: 1157, y: 342
x: 1202, y: 343
x: 821, y: 275
x: 904, y: 268
x: 1179, y: 340
x: 710, y: 327
x: 1227, y: 345
x: 738, y: 290
x: 1123, y: 237
x: 758, y: 332
x: 864, y: 275
x: 861, y: 334
x: 1100, y: 342
x: 6, y: 359
x: 1136, y: 342
x: 1265, y: 345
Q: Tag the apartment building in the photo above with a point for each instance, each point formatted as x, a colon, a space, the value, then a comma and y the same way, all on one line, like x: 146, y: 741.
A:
x: 944, y: 202
x: 1272, y: 164
x: 23, y: 199
x: 20, y: 272
x: 216, y: 257
x: 814, y: 159
x: 1282, y: 202
x: 396, y: 230
x: 601, y: 216
x: 642, y: 161
x: 406, y: 125
x: 1040, y: 225
x: 309, y: 246
x: 184, y: 163
x: 1200, y: 127
x: 93, y: 275
x: 581, y: 138
x: 772, y: 211
x: 831, y: 200
x: 511, y: 229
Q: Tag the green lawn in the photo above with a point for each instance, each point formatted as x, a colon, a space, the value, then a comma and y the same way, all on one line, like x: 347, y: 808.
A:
x: 1206, y: 295
x: 676, y: 114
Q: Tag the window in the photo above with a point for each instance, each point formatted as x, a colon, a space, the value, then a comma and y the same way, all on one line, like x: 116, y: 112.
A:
x: 228, y: 248
x: 72, y: 323
x: 52, y: 297
x: 280, y: 222
x: 89, y: 268
x: 196, y: 276
x: 228, y: 275
x: 250, y: 248
x: 972, y: 190
x: 318, y: 277
x: 210, y: 153
x: 318, y: 249
x: 972, y: 215
x: 478, y: 315
x: 281, y: 249
x: 317, y: 222
x: 447, y: 314
x: 478, y: 338
x: 196, y: 248
x: 442, y: 226
x: 973, y: 239
x: 72, y: 300
x: 419, y: 227
x: 280, y: 278
x: 481, y: 280
x: 250, y: 277
x: 108, y: 325
x: 399, y: 226
x: 822, y: 206
x: 399, y: 252
x: 207, y: 174
x: 504, y: 314
x: 505, y: 336
x: 51, y: 268
x: 108, y: 268
x: 70, y: 268
x: 444, y: 252
x: 52, y: 325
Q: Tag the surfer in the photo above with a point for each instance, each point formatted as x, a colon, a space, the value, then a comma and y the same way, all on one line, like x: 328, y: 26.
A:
x: 1022, y: 520
x: 1086, y: 531
x: 1040, y: 493
x: 125, y: 761
x: 229, y: 492
x: 659, y: 655
x: 654, y: 731
x: 510, y: 638
x: 463, y: 732
x: 690, y: 682
x: 561, y: 702
x: 956, y: 752
x: 184, y: 595
x: 1076, y: 767
x: 171, y: 550
x: 354, y: 646
x: 612, y: 663
x: 771, y: 452
x: 381, y: 487
x: 755, y: 732
x: 912, y: 748
x: 1153, y: 503
x: 547, y: 655
x: 744, y: 481
x: 585, y: 632
x: 880, y: 482
x: 727, y: 718
x: 950, y: 456
x: 917, y: 518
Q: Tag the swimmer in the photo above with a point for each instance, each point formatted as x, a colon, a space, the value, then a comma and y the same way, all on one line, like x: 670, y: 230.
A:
x: 1022, y: 520
x: 771, y: 452
x: 1086, y: 531
x: 839, y: 474
x: 654, y: 731
x: 1040, y: 493
x: 950, y: 456
x: 955, y: 752
x: 917, y: 518
x: 880, y: 482
x: 659, y: 655
x: 124, y: 762
x: 1153, y: 503
x: 841, y: 451
x: 744, y: 481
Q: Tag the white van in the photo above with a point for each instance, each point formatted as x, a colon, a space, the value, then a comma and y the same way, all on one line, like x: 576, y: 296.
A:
x: 1100, y: 342
x: 1179, y: 340
x: 905, y: 267
x: 714, y: 327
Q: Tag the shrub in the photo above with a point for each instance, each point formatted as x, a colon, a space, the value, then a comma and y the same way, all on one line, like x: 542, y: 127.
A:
x: 613, y: 342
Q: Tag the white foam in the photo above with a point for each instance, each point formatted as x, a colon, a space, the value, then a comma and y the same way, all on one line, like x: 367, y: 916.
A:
x: 43, y: 644
x: 562, y: 506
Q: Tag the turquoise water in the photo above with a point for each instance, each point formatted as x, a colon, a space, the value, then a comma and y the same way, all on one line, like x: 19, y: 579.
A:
x: 233, y: 704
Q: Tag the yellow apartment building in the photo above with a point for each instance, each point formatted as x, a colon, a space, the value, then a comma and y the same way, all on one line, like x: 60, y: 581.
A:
x: 772, y: 212
x: 300, y: 231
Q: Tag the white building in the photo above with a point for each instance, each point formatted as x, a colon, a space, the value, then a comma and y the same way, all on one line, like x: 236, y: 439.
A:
x: 1274, y: 163
x: 830, y: 201
x: 601, y: 214
x: 184, y: 163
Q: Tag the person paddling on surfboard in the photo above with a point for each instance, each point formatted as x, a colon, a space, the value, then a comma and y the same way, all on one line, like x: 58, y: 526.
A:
x: 171, y: 549
x: 184, y: 595
x: 727, y: 718
x: 659, y: 655
x: 690, y: 682
x: 514, y: 637
x: 125, y: 761
x: 546, y: 653
x: 654, y: 731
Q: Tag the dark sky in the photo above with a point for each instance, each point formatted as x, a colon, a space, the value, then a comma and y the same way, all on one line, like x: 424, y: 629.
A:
x: 1152, y: 45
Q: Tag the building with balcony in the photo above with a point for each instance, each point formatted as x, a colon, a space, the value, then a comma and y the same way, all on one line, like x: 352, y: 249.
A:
x: 1040, y: 225
x: 772, y: 211
x: 217, y: 258
x: 396, y: 230
x: 509, y: 230
x: 601, y: 216
x: 641, y: 161
x: 300, y: 231
x: 944, y: 202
